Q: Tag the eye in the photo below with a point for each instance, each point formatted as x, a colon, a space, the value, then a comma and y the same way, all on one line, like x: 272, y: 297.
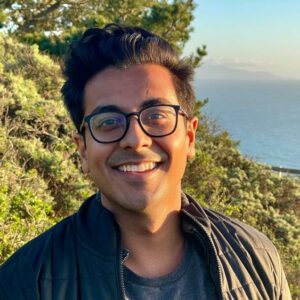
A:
x: 156, y: 115
x: 107, y: 122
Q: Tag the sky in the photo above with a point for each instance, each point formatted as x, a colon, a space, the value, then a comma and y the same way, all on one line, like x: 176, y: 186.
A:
x: 251, y: 35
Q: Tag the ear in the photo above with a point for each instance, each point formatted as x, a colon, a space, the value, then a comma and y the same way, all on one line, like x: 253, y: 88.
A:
x: 192, y: 125
x: 81, y: 147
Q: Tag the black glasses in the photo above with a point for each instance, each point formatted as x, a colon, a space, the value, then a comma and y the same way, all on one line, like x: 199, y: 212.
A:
x: 111, y: 126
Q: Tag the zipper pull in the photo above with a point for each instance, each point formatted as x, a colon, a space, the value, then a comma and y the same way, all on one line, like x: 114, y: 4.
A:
x: 125, y: 255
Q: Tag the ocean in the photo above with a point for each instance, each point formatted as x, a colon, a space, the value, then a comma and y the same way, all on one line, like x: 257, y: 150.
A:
x: 263, y: 115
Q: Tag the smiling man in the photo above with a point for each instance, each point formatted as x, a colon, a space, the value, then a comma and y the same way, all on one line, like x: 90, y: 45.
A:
x: 139, y: 237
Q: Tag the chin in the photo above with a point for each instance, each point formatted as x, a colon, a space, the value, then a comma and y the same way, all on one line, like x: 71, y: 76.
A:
x: 138, y: 203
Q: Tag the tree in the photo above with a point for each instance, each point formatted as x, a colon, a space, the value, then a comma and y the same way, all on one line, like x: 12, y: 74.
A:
x: 53, y: 23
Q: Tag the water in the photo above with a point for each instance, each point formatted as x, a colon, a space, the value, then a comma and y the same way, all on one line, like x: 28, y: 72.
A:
x: 263, y: 115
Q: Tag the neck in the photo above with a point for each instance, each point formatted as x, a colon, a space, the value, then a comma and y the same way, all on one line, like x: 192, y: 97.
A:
x: 155, y: 241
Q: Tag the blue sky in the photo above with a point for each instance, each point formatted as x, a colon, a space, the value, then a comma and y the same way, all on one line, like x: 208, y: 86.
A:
x: 252, y: 35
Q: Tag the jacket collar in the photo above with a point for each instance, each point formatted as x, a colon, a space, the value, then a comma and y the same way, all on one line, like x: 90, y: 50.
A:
x: 190, y: 209
x: 97, y: 230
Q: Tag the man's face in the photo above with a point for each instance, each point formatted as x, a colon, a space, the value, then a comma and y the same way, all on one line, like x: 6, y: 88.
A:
x: 138, y: 173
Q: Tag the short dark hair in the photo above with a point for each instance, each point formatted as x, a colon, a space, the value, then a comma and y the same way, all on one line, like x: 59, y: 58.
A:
x: 121, y: 47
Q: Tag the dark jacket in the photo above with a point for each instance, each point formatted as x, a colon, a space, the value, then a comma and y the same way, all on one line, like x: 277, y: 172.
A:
x: 80, y: 258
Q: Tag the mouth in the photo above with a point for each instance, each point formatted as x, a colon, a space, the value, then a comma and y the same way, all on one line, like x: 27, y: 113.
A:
x: 137, y: 167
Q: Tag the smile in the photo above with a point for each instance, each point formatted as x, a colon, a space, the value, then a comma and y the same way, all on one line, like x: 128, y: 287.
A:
x: 141, y: 167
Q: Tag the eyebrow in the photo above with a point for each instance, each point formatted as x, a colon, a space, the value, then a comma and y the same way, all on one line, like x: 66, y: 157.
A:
x: 106, y: 108
x: 150, y: 102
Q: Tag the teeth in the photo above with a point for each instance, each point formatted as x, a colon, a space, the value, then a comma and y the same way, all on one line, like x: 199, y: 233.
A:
x: 137, y: 168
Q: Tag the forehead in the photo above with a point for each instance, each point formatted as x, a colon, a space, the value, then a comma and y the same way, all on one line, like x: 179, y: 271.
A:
x: 129, y: 88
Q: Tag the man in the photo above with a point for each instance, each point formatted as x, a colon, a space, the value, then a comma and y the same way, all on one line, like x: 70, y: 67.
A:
x: 140, y: 236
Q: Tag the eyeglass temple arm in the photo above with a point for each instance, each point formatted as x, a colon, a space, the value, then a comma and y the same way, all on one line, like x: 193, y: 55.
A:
x: 183, y: 113
x: 81, y: 125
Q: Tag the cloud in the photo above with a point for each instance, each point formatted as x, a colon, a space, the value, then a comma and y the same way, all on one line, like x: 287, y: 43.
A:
x: 218, y: 70
x: 242, y: 64
x: 281, y: 70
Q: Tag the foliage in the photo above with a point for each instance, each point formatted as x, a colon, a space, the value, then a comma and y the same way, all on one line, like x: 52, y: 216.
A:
x: 39, y: 176
x: 2, y: 18
x: 54, y: 24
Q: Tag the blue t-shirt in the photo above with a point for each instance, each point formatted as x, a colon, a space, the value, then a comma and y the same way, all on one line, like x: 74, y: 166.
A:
x: 191, y: 281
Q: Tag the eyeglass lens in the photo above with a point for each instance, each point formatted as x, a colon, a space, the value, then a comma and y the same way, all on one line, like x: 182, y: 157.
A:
x: 155, y: 121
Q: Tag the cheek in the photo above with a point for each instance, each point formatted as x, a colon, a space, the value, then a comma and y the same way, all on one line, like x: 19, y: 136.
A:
x: 177, y: 150
x: 97, y: 155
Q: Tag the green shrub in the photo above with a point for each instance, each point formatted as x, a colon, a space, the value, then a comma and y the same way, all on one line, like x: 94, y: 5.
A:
x: 40, y: 178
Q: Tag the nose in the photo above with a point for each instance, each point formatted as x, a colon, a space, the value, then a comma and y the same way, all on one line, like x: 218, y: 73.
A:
x: 135, y: 138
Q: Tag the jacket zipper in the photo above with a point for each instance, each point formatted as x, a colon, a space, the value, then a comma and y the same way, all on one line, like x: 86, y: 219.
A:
x: 122, y: 259
x: 122, y: 281
x: 212, y: 246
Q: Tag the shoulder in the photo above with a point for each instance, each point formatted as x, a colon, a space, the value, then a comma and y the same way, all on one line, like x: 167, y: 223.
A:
x: 245, y: 254
x: 224, y: 228
x: 21, y: 270
x: 233, y: 237
x: 61, y: 236
x: 246, y: 235
x: 55, y: 254
x: 253, y: 251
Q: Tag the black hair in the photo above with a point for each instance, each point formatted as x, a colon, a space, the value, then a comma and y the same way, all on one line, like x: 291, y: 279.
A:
x: 121, y: 47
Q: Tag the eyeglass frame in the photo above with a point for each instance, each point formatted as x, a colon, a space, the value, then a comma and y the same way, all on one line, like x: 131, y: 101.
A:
x: 87, y: 119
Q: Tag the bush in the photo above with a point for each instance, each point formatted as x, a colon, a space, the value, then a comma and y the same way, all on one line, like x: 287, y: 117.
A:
x: 39, y: 171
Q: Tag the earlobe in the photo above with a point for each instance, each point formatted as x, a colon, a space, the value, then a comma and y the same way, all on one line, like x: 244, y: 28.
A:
x: 81, y: 148
x: 191, y: 132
